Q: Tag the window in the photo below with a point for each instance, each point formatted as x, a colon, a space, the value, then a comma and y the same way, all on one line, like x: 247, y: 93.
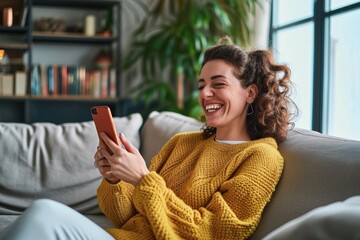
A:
x: 319, y: 40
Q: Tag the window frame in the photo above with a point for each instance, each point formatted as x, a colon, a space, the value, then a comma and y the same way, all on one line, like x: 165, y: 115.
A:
x: 320, y: 19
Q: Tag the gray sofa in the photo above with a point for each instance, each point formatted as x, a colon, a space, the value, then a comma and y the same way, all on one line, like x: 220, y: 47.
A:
x: 44, y: 160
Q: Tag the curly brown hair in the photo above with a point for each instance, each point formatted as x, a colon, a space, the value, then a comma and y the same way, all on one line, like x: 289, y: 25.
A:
x: 270, y: 114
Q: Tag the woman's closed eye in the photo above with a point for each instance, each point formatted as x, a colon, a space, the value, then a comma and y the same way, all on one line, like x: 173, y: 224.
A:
x: 215, y: 85
x: 220, y: 84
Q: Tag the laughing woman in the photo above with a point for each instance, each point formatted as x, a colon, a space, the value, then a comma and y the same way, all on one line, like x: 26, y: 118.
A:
x: 211, y: 184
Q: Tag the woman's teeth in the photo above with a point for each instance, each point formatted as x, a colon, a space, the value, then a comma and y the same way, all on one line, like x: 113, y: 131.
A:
x: 213, y: 107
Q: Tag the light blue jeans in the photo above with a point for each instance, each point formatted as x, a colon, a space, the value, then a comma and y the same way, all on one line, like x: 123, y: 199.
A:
x: 50, y: 220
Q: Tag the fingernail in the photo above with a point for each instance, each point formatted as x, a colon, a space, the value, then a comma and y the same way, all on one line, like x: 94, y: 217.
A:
x: 123, y: 135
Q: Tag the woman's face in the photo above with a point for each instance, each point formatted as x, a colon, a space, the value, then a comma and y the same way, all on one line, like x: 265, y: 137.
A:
x: 222, y: 98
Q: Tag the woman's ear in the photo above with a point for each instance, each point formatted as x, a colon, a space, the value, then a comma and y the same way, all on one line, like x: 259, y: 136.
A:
x: 252, y: 93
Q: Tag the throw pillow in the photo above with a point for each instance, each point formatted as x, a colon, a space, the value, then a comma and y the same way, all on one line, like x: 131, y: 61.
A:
x: 44, y: 160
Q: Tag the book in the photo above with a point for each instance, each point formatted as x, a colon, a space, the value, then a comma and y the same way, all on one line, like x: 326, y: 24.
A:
x: 104, y: 82
x: 63, y: 79
x: 95, y: 77
x: 87, y: 84
x: 73, y: 80
x: 35, y: 81
x: 20, y: 83
x: 44, y: 88
x: 112, y: 82
x: 50, y: 80
x: 55, y: 79
x: 8, y: 84
x: 82, y: 79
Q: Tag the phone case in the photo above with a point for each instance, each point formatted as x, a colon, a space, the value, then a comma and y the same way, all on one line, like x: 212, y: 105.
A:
x: 104, y: 122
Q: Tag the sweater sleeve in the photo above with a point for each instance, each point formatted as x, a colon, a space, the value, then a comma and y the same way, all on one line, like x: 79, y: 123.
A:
x: 233, y: 212
x: 115, y: 201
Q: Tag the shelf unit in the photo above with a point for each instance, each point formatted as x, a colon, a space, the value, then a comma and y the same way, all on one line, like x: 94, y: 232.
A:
x: 61, y: 108
x: 13, y: 29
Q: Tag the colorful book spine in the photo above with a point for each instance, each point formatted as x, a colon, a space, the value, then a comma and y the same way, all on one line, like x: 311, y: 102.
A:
x: 20, y: 83
x: 35, y: 80
x: 51, y: 80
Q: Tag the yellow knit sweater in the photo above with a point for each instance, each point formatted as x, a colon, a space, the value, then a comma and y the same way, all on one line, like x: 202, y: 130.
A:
x: 197, y: 189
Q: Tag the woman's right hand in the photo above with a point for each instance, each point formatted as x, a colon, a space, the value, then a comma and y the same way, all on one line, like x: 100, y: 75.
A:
x: 104, y: 167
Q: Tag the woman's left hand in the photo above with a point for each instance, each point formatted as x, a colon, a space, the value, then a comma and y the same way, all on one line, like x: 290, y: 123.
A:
x: 126, y: 162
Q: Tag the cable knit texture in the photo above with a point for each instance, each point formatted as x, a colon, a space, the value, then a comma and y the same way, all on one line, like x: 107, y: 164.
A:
x: 197, y: 189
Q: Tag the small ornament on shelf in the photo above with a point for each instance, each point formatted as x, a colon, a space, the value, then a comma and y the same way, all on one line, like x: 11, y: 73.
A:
x: 90, y: 25
x: 50, y: 25
x: 8, y: 17
x: 103, y: 60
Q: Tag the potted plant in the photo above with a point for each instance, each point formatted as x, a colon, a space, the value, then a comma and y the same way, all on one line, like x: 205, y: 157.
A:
x: 169, y: 43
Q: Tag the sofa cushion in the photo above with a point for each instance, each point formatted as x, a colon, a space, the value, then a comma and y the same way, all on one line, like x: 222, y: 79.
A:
x: 319, y: 170
x: 160, y: 127
x: 44, y: 160
x: 339, y: 220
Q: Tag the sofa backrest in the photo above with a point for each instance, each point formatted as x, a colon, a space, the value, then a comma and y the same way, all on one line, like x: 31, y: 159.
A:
x: 319, y: 170
x: 160, y: 127
x: 45, y: 160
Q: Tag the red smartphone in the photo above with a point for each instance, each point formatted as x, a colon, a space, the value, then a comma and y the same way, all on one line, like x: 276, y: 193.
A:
x: 104, y: 122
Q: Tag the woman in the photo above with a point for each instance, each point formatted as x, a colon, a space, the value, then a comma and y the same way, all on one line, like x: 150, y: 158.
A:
x: 212, y: 184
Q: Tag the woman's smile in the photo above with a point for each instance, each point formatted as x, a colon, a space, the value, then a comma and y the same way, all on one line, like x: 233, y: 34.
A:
x: 213, y: 107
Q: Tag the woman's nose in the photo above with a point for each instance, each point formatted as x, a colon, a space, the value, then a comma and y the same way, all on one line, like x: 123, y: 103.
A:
x: 206, y: 92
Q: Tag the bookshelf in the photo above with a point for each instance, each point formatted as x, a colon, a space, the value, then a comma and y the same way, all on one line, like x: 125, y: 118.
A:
x: 42, y: 50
